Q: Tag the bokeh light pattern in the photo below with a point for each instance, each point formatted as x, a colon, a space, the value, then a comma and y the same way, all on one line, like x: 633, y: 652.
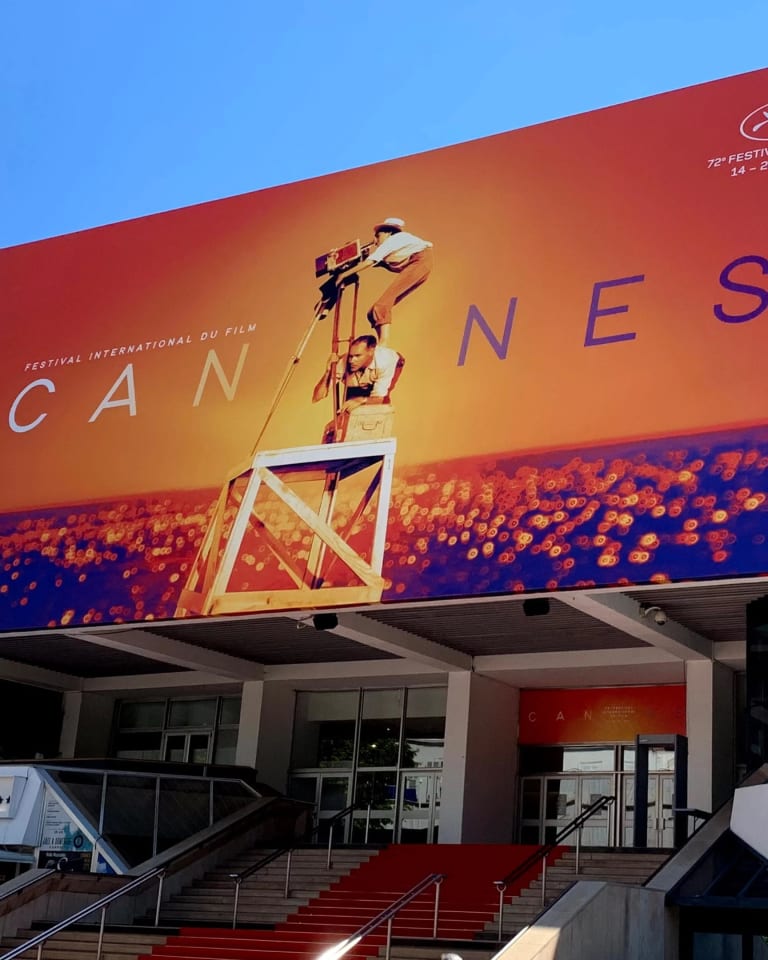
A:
x: 656, y: 512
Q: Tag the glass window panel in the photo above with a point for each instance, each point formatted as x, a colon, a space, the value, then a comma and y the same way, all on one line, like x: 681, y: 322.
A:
x: 531, y: 806
x: 226, y: 746
x: 192, y: 713
x: 529, y: 834
x: 184, y: 810
x: 129, y: 815
x: 303, y: 788
x: 424, y: 740
x: 138, y: 746
x: 659, y: 758
x: 230, y: 711
x: 85, y: 788
x: 324, y: 728
x: 199, y: 747
x: 175, y: 748
x: 588, y: 758
x: 142, y: 714
x: 380, y: 728
x: 561, y: 800
x: 334, y: 794
x: 541, y: 760
x: 229, y: 797
x: 380, y: 791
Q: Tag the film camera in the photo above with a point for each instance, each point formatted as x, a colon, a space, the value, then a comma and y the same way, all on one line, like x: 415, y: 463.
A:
x: 330, y: 264
x: 342, y: 258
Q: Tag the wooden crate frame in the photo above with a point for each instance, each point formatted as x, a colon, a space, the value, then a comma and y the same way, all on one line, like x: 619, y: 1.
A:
x: 207, y: 589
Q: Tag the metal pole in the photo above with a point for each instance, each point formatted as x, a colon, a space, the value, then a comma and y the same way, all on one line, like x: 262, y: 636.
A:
x: 544, y: 881
x: 101, y: 933
x: 578, y: 847
x: 437, y: 909
x: 367, y: 823
x: 329, y: 862
x: 40, y: 950
x: 156, y: 828
x: 160, y: 882
x: 320, y: 312
x: 388, y: 954
x: 502, y: 889
x: 287, y: 891
x: 237, y: 902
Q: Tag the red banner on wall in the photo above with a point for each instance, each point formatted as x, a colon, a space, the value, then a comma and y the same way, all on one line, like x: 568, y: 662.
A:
x: 600, y: 715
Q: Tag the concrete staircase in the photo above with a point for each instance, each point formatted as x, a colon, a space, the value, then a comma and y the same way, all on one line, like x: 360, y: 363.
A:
x: 78, y: 944
x: 326, y: 906
x: 210, y: 900
x: 615, y: 866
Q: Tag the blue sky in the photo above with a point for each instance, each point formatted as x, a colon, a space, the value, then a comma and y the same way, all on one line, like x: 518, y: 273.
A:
x: 111, y: 109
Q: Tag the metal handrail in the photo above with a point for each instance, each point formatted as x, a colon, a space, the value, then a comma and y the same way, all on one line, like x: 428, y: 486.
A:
x: 25, y: 882
x: 387, y: 916
x: 238, y: 878
x: 160, y: 872
x: 102, y: 905
x: 542, y: 853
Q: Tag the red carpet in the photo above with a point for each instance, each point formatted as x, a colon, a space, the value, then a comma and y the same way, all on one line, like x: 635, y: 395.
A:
x: 468, y: 900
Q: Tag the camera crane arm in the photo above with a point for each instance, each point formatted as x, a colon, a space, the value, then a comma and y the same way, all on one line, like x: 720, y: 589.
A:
x: 341, y: 265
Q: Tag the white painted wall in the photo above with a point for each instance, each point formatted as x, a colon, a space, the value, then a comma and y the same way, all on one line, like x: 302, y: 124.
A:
x: 275, y: 731
x: 94, y: 729
x: 599, y: 921
x: 250, y: 722
x: 20, y: 820
x: 749, y: 816
x: 480, y: 766
x: 709, y: 725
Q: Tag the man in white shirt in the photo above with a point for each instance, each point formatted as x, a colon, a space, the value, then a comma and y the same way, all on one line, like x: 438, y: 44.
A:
x: 368, y: 373
x: 402, y: 253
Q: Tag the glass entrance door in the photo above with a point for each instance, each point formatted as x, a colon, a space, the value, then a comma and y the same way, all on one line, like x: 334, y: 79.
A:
x: 187, y: 747
x: 330, y: 793
x: 661, y: 806
x: 661, y: 817
x: 549, y: 803
x: 418, y: 818
x: 561, y: 800
x: 373, y: 820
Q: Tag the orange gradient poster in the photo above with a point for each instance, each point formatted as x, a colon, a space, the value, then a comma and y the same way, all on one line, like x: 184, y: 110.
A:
x: 569, y: 388
x: 600, y: 714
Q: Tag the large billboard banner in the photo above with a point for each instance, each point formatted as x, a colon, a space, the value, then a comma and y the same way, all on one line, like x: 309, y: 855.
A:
x: 531, y: 362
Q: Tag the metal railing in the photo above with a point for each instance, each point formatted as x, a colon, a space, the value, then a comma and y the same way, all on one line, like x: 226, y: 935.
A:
x: 602, y: 803
x: 102, y: 904
x: 239, y: 878
x: 159, y: 872
x: 387, y: 916
x: 157, y: 787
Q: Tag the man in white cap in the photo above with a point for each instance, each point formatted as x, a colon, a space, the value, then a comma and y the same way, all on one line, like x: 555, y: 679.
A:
x: 402, y: 253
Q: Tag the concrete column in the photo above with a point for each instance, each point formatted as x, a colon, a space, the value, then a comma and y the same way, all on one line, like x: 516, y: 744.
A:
x: 71, y: 703
x: 250, y: 720
x: 95, y: 716
x: 480, y: 763
x: 275, y: 734
x: 709, y: 724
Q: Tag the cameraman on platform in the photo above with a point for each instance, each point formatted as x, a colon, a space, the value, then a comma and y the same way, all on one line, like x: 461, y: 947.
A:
x: 402, y: 253
x: 368, y: 371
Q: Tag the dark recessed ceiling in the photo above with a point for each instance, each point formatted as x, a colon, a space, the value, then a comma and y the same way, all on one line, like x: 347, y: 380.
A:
x: 270, y: 640
x: 501, y: 627
x: 66, y: 654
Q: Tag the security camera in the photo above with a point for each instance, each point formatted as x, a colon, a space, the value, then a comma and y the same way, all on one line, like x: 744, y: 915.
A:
x: 658, y: 614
